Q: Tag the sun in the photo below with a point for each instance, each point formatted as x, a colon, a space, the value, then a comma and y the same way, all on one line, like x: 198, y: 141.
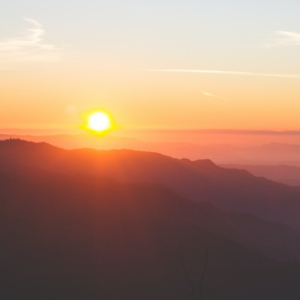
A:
x: 99, y: 122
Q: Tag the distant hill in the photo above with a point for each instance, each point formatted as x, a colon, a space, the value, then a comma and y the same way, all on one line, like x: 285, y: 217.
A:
x: 89, y: 237
x: 289, y: 175
x: 267, y: 154
x: 222, y: 153
x: 72, y: 141
x: 228, y: 189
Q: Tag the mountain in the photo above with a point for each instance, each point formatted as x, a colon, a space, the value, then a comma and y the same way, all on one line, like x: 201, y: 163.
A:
x: 89, y: 237
x: 72, y: 141
x: 221, y: 153
x: 228, y: 189
x: 289, y: 175
x: 266, y: 154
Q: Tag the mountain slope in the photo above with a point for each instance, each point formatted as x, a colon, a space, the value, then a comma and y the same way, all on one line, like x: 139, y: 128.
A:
x: 78, y: 237
x: 289, y: 175
x: 75, y: 237
x: 230, y: 190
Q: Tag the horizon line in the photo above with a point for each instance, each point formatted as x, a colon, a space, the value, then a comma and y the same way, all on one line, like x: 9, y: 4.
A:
x: 24, y: 132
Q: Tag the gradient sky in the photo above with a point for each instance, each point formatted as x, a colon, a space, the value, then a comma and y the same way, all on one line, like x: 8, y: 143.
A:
x: 59, y: 59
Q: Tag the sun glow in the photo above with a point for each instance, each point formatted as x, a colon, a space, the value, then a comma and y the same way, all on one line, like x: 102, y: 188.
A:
x: 99, y: 122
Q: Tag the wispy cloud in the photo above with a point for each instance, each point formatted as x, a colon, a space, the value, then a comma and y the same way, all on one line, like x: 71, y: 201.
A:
x: 283, y: 38
x: 28, y: 48
x: 227, y: 73
x: 214, y: 96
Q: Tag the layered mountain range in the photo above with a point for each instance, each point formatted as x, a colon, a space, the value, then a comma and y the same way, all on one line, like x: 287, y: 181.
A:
x: 95, y: 224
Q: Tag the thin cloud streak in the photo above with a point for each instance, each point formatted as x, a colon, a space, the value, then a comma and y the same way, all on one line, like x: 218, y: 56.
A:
x: 226, y: 73
x: 28, y: 48
x: 214, y: 96
x: 284, y: 38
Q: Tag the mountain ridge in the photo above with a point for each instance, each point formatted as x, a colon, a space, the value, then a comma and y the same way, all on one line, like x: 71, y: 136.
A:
x: 68, y: 231
x: 230, y: 190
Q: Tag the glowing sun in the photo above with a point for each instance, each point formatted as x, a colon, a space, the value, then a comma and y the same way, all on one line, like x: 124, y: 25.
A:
x: 99, y: 121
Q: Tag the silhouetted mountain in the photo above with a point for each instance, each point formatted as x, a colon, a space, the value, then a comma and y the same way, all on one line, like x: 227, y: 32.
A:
x: 231, y: 190
x: 289, y: 175
x: 72, y: 141
x: 221, y: 153
x: 89, y: 237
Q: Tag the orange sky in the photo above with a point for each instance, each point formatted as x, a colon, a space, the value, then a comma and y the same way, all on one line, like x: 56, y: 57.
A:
x: 140, y: 99
x: 52, y: 70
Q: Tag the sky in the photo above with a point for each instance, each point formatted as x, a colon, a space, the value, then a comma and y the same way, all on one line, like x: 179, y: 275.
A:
x: 151, y: 64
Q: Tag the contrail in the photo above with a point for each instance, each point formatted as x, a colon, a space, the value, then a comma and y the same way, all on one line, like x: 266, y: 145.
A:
x: 227, y: 73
